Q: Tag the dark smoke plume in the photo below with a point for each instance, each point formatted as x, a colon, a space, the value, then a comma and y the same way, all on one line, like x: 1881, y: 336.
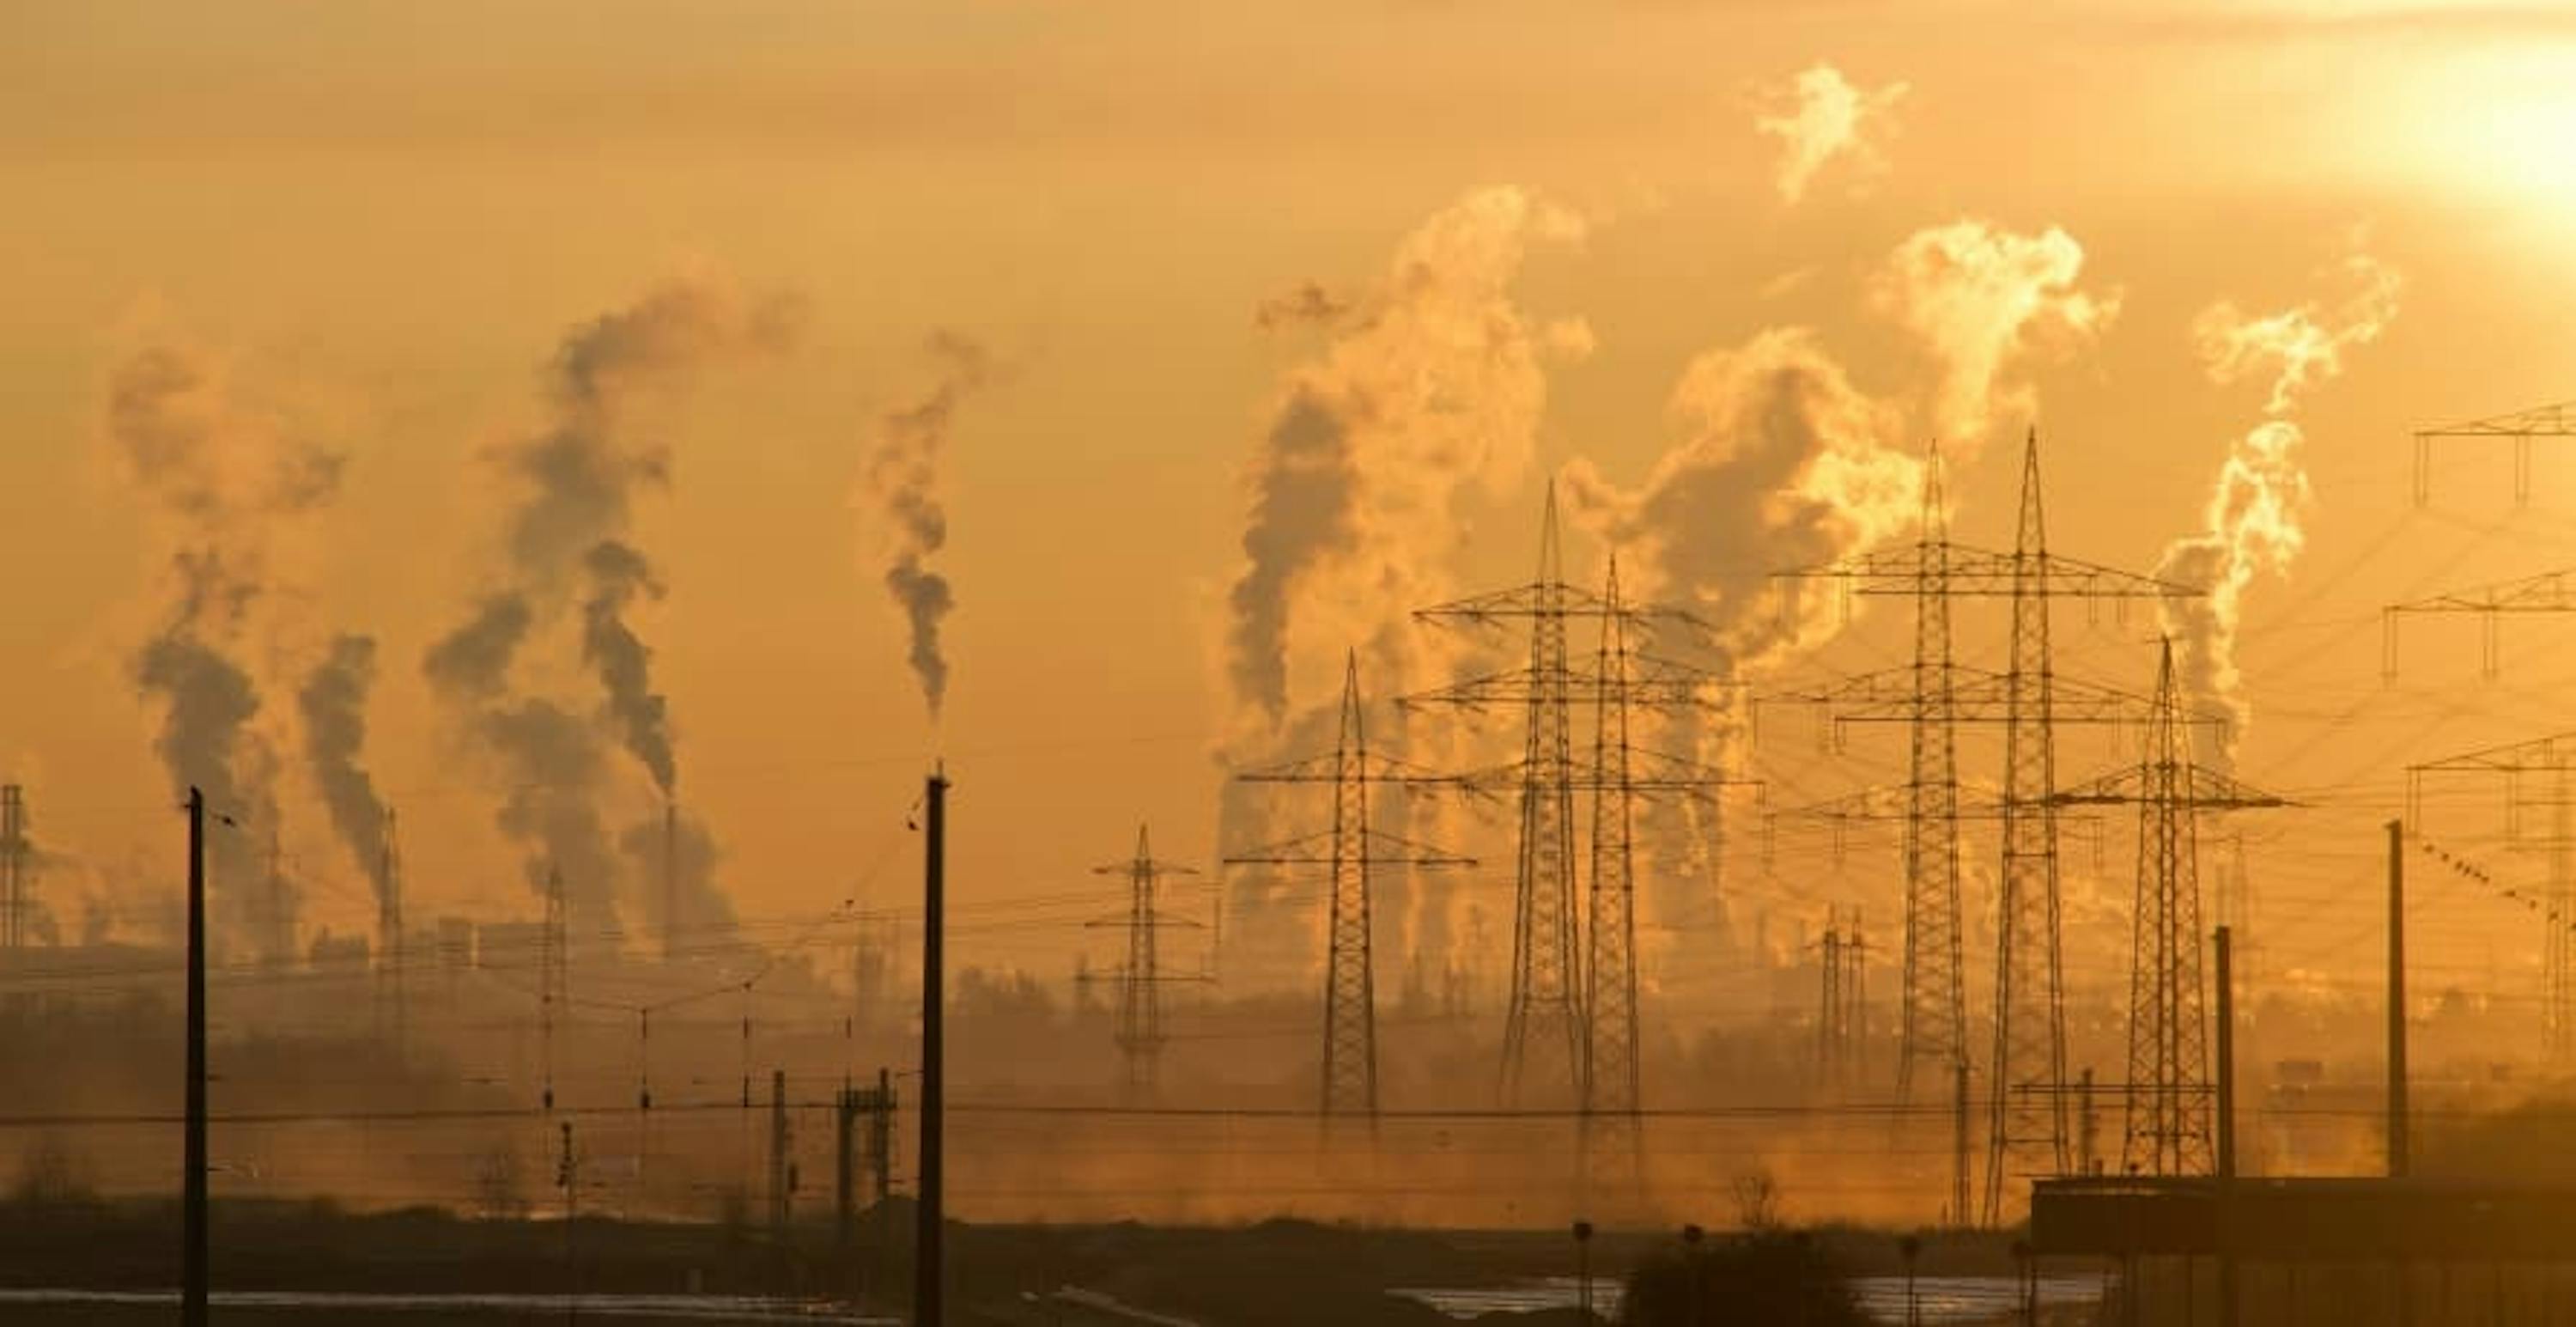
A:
x: 334, y: 705
x: 903, y: 479
x: 573, y: 566
x: 223, y: 486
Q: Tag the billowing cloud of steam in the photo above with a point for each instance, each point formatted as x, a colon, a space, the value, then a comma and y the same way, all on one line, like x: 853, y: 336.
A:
x: 1428, y: 385
x: 333, y: 703
x: 903, y: 484
x: 573, y: 567
x: 1431, y: 384
x: 1982, y: 298
x: 2253, y: 522
x: 1783, y: 462
x: 1819, y: 116
x: 223, y: 487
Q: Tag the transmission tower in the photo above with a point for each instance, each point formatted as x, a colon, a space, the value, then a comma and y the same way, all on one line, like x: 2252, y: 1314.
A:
x: 1549, y: 1041
x: 2548, y: 592
x: 2549, y: 421
x: 2170, y: 1097
x: 1842, y: 1014
x: 1140, y: 982
x: 17, y: 882
x: 1352, y: 851
x: 554, y: 996
x: 2551, y: 759
x: 2027, y: 1125
x: 392, y: 1013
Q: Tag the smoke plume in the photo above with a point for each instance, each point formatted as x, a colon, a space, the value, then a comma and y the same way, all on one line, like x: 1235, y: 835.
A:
x: 903, y: 483
x: 1428, y: 386
x: 1819, y: 116
x: 572, y: 572
x: 1431, y: 385
x: 1982, y: 299
x: 2253, y: 522
x: 225, y: 488
x: 333, y: 702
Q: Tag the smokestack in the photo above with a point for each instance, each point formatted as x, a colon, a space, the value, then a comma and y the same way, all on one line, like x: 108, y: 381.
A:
x: 193, y: 1294
x: 670, y: 881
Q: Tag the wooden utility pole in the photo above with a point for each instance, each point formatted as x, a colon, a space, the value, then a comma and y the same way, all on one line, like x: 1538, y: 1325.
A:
x: 2397, y: 1143
x: 195, y: 1280
x: 926, y: 1269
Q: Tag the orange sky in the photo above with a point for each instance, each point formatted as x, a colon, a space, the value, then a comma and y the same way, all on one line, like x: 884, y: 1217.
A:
x: 386, y: 217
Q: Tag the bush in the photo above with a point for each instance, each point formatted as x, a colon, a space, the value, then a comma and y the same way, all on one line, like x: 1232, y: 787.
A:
x: 1762, y: 1278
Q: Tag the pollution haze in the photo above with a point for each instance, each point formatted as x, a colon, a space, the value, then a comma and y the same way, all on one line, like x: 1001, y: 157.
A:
x: 591, y: 462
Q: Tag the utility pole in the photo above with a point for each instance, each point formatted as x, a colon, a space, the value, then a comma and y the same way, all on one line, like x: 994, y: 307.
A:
x: 1140, y: 982
x: 195, y: 1278
x: 928, y: 1285
x: 2548, y: 592
x: 2398, y: 1158
x: 553, y: 982
x: 2227, y: 1283
x: 2169, y: 1126
x: 1352, y: 851
x: 779, y: 1163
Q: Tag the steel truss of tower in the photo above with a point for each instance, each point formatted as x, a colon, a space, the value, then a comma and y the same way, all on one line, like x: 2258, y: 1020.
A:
x: 2170, y: 1097
x: 1571, y: 1020
x: 2548, y: 421
x: 1937, y: 696
x: 2551, y: 759
x: 1842, y: 1010
x: 17, y: 876
x: 2548, y: 592
x: 1141, y: 977
x: 1352, y: 851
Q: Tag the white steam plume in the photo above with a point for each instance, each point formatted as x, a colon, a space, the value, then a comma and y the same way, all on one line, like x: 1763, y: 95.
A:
x: 1819, y: 116
x: 903, y: 483
x: 573, y: 568
x: 1428, y: 386
x: 1983, y: 300
x: 2254, y: 520
x: 226, y: 488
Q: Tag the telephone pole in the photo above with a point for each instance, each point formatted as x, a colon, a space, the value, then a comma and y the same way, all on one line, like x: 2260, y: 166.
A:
x: 195, y: 1267
x: 2169, y: 1127
x: 1351, y: 851
x: 929, y: 1228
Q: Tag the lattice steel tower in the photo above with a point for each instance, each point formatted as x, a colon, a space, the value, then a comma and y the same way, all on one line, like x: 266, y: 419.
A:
x: 2169, y: 1093
x: 1610, y: 1080
x: 554, y: 994
x: 2027, y: 1117
x: 1544, y: 993
x: 1140, y: 982
x: 1351, y: 851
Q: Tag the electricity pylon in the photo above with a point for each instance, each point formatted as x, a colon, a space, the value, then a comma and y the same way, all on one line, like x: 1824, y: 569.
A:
x: 1842, y: 1014
x: 2548, y: 592
x: 2170, y: 1097
x: 2548, y: 421
x: 554, y: 988
x: 1545, y: 1029
x: 1351, y: 850
x: 2552, y: 758
x: 2027, y: 1116
x: 1140, y: 982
